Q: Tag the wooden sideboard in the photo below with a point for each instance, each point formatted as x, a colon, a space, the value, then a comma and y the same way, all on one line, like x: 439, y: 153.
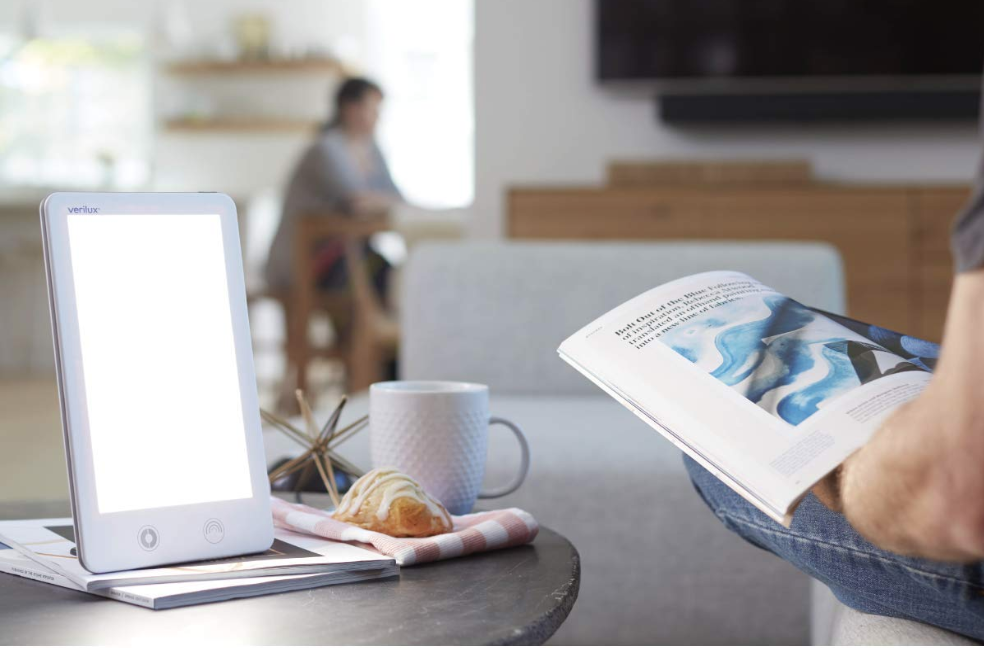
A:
x: 733, y: 173
x: 894, y: 240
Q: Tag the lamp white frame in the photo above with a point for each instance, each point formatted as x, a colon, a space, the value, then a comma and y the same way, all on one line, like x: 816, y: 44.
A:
x: 109, y: 541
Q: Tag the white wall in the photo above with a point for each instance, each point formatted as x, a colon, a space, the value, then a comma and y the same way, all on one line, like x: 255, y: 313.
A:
x: 540, y: 118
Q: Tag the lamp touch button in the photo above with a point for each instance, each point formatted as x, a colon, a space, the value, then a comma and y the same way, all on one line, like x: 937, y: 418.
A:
x: 214, y: 531
x: 148, y: 538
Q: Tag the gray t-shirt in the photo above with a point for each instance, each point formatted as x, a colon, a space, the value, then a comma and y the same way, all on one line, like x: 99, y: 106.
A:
x: 967, y: 234
x: 324, y: 181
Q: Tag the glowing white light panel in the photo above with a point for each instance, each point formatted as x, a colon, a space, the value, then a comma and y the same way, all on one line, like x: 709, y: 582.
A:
x: 158, y: 360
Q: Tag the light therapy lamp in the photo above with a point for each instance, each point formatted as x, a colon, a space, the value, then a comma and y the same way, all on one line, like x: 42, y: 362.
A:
x: 155, y: 378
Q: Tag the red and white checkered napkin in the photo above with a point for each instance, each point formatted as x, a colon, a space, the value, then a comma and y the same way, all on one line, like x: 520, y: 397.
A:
x: 472, y: 533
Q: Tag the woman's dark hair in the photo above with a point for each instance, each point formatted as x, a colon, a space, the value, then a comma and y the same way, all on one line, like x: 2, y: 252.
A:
x: 351, y: 91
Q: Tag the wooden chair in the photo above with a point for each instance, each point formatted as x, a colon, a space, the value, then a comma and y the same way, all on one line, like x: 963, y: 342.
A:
x: 366, y: 335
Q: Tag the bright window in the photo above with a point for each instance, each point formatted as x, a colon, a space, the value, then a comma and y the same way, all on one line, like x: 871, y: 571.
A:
x: 421, y: 53
x: 75, y: 111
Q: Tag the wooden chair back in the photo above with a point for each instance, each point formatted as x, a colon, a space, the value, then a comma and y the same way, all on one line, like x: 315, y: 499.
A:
x: 369, y: 330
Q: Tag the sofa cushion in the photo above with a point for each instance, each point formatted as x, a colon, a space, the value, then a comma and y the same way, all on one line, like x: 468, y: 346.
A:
x: 495, y: 312
x: 853, y: 628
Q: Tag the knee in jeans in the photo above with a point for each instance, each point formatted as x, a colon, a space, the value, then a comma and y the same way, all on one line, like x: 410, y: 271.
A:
x: 707, y: 486
x: 722, y: 501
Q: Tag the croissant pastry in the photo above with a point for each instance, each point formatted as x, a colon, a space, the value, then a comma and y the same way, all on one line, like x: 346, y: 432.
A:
x: 390, y: 502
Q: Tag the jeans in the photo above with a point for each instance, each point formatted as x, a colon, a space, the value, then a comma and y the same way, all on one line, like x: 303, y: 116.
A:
x: 823, y: 544
x: 335, y: 276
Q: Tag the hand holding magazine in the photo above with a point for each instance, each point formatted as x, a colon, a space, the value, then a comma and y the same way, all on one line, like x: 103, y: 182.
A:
x: 766, y: 393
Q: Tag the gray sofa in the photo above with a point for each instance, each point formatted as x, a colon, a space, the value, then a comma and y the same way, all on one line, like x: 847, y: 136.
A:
x: 657, y: 566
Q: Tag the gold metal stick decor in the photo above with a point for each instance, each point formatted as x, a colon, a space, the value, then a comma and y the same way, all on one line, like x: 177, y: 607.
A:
x: 318, y: 446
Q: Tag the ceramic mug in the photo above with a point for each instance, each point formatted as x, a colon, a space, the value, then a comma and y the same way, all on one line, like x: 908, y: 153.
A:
x: 438, y: 433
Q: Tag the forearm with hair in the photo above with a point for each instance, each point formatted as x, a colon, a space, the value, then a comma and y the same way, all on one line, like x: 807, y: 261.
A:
x: 917, y: 487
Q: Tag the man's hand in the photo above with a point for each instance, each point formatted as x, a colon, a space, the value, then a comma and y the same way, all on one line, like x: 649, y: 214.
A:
x: 828, y: 490
x: 917, y: 487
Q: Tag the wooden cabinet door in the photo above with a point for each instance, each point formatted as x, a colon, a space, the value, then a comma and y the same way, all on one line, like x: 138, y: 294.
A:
x: 605, y: 215
x: 868, y: 226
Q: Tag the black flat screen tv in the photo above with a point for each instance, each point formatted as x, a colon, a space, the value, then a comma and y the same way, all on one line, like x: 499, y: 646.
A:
x: 741, y: 43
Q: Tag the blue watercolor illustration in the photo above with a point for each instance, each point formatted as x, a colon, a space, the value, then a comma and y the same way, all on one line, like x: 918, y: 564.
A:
x: 789, y: 359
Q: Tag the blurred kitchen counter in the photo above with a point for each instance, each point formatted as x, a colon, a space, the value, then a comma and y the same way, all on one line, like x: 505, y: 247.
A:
x: 32, y: 457
x: 417, y: 224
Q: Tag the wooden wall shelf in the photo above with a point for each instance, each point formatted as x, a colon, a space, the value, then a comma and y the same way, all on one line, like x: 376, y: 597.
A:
x: 241, y: 125
x: 291, y: 66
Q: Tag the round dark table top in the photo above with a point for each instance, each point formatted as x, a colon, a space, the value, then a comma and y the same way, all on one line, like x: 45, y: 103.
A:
x: 513, y: 596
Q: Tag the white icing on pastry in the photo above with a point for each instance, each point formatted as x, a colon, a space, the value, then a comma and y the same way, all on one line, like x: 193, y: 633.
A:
x: 395, y: 485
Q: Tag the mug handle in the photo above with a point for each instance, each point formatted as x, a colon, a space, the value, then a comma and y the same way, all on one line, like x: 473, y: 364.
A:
x: 524, y: 464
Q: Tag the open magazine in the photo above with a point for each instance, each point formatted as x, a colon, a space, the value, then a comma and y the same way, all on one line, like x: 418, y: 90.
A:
x: 767, y: 394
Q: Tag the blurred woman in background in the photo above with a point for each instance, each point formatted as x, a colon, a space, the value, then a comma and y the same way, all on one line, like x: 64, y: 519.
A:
x: 342, y: 172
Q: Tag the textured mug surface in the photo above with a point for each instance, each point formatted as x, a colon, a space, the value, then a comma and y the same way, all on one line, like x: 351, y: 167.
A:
x: 437, y: 432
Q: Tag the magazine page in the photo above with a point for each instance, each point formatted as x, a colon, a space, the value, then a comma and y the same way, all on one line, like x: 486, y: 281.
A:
x: 768, y: 394
x: 15, y: 563
x: 51, y: 543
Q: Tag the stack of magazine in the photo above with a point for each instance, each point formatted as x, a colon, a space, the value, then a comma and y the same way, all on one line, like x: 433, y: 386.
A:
x: 44, y: 550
